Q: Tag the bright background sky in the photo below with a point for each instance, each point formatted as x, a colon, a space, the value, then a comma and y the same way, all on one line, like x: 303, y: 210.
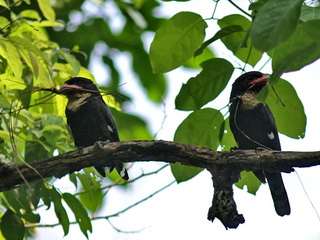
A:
x: 180, y: 211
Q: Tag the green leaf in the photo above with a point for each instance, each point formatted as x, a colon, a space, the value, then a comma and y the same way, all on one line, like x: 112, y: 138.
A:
x: 25, y: 198
x: 12, y: 227
x: 4, y: 22
x: 11, y: 54
x: 227, y: 141
x: 176, y: 41
x: 79, y: 212
x: 60, y: 210
x: 92, y: 200
x: 47, y: 10
x: 275, y: 22
x: 138, y: 128
x: 250, y: 180
x: 30, y: 14
x: 196, y: 61
x: 309, y: 13
x: 237, y: 42
x: 45, y: 194
x: 201, y: 128
x: 206, y: 86
x: 73, y: 62
x: 301, y: 49
x: 183, y: 173
x: 287, y: 109
x: 52, y: 133
x: 4, y: 4
x: 220, y: 34
x: 31, y: 217
x: 155, y: 84
x: 92, y: 196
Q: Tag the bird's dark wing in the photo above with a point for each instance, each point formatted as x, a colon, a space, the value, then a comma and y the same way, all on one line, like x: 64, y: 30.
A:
x: 111, y: 126
x: 253, y: 128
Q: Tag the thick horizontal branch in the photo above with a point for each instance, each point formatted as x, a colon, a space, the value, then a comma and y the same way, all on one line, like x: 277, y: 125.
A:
x: 104, y: 154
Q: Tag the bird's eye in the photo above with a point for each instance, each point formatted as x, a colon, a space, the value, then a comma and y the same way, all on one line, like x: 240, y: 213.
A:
x: 80, y: 82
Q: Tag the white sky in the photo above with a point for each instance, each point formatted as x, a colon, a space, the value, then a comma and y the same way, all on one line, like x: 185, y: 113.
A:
x: 180, y: 212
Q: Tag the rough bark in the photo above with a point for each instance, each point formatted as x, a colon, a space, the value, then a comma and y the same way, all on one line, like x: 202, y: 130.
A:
x: 224, y: 166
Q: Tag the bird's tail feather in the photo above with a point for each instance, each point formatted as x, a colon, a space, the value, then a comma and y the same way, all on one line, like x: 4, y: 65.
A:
x: 279, y: 193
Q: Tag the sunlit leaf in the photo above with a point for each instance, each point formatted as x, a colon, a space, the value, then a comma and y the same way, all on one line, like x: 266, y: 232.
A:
x: 4, y: 4
x: 4, y: 22
x: 47, y: 10
x: 195, y: 62
x: 176, y: 41
x: 9, y: 51
x: 287, y: 109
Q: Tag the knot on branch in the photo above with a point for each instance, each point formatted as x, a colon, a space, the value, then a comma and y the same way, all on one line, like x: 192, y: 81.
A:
x: 223, y: 205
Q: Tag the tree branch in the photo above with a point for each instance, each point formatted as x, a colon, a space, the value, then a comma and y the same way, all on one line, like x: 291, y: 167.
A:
x: 224, y: 166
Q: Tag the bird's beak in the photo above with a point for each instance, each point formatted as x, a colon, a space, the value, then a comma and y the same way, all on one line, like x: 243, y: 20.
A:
x: 67, y: 88
x: 261, y: 80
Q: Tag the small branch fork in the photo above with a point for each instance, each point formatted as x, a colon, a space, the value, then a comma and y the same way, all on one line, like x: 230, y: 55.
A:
x: 224, y: 167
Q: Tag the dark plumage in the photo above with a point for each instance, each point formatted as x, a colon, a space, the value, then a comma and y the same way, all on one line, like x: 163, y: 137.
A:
x: 253, y: 126
x: 89, y: 117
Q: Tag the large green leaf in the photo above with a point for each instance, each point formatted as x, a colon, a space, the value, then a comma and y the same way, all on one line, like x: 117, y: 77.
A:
x: 10, y: 53
x: 60, y: 210
x: 79, y: 212
x: 287, y: 109
x: 220, y: 34
x: 47, y: 10
x: 302, y: 48
x: 206, y: 86
x: 12, y: 227
x: 131, y: 127
x: 309, y: 13
x: 201, y: 128
x: 250, y: 180
x: 275, y: 22
x: 155, y: 84
x: 92, y: 195
x: 176, y: 41
x: 183, y: 173
x: 195, y: 62
x: 237, y: 41
x: 227, y: 142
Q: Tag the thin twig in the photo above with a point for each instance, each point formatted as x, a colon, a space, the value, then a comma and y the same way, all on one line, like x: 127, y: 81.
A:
x: 111, y: 215
x: 239, y: 8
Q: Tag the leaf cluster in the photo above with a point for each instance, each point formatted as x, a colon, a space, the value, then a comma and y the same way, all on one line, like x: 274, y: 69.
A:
x: 39, y: 50
x: 283, y: 31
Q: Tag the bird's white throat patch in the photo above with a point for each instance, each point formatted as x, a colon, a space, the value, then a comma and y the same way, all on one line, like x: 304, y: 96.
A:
x: 77, y: 100
x: 249, y: 100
